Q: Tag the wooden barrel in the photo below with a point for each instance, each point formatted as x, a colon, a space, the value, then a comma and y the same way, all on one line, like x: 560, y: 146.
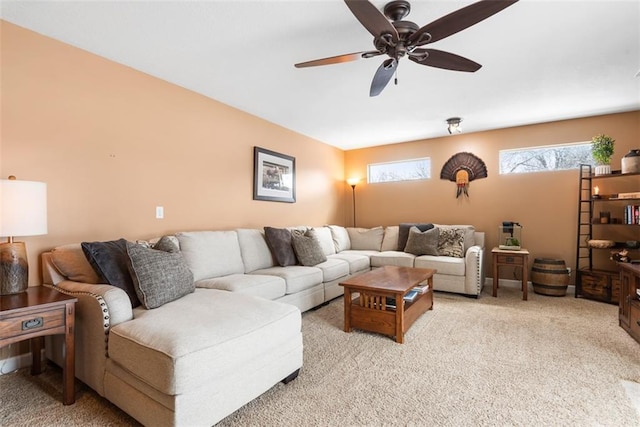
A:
x: 550, y: 277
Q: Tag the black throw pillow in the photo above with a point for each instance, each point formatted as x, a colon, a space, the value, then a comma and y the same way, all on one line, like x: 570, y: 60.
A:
x: 111, y: 262
x: 403, y: 232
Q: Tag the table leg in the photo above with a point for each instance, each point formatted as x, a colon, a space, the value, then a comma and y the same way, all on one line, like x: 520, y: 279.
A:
x: 495, y: 276
x: 36, y: 355
x: 347, y: 309
x: 525, y: 277
x: 399, y: 319
x: 68, y: 386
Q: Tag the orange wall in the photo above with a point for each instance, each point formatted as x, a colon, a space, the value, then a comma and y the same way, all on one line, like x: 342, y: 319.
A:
x: 112, y: 143
x: 544, y: 203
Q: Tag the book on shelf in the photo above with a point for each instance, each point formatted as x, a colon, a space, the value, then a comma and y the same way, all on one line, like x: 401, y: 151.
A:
x: 411, y: 295
x: 421, y: 288
x: 632, y: 214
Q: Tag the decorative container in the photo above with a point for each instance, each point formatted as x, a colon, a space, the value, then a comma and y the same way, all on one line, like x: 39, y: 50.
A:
x: 631, y: 161
x: 602, y: 169
x: 550, y: 277
x: 510, y: 236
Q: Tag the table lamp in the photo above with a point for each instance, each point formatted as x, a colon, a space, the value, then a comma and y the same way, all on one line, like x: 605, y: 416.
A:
x: 23, y: 212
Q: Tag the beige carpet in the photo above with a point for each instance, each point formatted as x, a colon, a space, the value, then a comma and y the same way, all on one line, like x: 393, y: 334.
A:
x: 492, y: 361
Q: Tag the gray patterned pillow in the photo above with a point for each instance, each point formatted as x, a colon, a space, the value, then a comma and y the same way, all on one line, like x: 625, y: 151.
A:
x: 307, y: 247
x: 158, y: 276
x: 451, y: 242
x: 422, y: 242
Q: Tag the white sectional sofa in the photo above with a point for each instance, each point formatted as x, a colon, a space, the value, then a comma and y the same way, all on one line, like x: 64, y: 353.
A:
x: 200, y: 355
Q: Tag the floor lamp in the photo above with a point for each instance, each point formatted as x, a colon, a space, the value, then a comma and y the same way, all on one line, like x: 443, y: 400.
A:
x: 353, y: 182
x: 23, y: 212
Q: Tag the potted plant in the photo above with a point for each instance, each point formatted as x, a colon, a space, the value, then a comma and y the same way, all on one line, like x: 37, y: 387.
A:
x: 602, y: 150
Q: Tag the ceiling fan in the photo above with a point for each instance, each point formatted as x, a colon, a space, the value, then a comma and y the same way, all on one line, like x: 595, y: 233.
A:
x: 397, y: 38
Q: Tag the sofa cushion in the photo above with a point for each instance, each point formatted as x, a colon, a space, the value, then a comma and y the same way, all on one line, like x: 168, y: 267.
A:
x: 366, y: 238
x: 281, y: 246
x: 254, y: 249
x: 158, y: 276
x: 451, y: 242
x: 357, y: 262
x: 340, y: 238
x: 422, y: 242
x: 390, y: 239
x: 307, y: 247
x: 445, y: 265
x: 211, y: 253
x: 222, y: 331
x: 397, y: 258
x: 326, y: 240
x: 269, y: 287
x: 71, y: 261
x: 297, y: 277
x: 111, y: 263
x: 403, y: 232
x: 333, y: 269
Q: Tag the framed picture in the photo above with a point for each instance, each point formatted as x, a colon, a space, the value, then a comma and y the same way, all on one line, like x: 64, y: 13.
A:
x: 274, y: 176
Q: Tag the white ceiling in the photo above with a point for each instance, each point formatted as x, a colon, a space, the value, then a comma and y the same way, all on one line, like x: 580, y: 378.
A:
x: 542, y: 61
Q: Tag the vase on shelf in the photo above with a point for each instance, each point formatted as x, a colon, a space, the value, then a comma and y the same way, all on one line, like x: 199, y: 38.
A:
x: 631, y: 161
x: 602, y: 169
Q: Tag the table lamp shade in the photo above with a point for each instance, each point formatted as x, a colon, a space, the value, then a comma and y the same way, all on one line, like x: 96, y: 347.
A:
x: 23, y: 212
x: 23, y: 208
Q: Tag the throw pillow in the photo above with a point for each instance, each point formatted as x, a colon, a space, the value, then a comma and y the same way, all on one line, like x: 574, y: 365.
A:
x: 110, y: 261
x: 403, y: 232
x: 366, y: 239
x: 73, y: 264
x: 307, y: 247
x: 159, y: 277
x: 167, y: 244
x: 451, y: 242
x: 422, y: 242
x: 279, y: 242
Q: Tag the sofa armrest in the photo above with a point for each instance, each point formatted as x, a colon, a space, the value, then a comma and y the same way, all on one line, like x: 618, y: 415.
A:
x: 99, y: 308
x: 474, y: 270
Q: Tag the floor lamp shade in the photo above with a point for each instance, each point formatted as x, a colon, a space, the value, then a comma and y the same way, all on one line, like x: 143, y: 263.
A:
x: 23, y: 212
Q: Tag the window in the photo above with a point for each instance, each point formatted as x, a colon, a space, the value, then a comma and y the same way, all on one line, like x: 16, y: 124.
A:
x: 404, y: 170
x: 545, y: 158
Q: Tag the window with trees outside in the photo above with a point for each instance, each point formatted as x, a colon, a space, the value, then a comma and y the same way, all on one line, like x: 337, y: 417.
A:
x: 403, y: 170
x: 545, y: 158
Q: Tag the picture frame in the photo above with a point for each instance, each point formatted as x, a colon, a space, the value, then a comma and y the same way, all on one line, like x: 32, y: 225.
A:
x: 274, y: 176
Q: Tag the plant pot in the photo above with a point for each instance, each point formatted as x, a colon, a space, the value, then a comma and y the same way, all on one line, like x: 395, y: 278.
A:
x: 631, y: 161
x: 602, y: 170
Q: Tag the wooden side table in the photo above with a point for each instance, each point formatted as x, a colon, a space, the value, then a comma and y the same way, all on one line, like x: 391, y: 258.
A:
x: 515, y: 259
x: 33, y: 314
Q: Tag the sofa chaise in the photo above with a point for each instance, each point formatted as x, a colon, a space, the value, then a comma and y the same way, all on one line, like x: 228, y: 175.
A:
x: 201, y: 355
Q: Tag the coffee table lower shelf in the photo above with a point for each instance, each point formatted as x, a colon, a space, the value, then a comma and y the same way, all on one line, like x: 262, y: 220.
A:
x: 394, y: 322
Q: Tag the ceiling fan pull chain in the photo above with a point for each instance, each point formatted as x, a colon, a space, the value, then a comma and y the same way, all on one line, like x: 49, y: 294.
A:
x: 395, y: 80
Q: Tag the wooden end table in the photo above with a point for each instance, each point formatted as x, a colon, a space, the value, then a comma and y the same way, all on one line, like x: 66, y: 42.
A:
x: 371, y: 312
x: 515, y: 259
x: 32, y: 315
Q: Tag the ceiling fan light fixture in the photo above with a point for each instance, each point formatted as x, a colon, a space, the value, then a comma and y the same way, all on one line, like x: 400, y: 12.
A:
x: 453, y: 125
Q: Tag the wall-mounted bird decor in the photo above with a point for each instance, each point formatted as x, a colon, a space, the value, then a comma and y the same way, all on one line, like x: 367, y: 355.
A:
x: 462, y: 168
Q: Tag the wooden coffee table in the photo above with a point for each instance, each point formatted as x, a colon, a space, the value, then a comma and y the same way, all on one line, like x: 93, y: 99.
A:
x: 371, y: 310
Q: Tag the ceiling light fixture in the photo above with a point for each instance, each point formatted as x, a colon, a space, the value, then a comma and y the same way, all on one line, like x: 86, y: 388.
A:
x: 454, y: 125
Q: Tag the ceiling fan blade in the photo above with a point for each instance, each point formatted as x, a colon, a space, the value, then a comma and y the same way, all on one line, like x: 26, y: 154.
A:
x: 458, y: 21
x: 335, y: 59
x: 382, y: 76
x: 440, y: 59
x: 372, y: 19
